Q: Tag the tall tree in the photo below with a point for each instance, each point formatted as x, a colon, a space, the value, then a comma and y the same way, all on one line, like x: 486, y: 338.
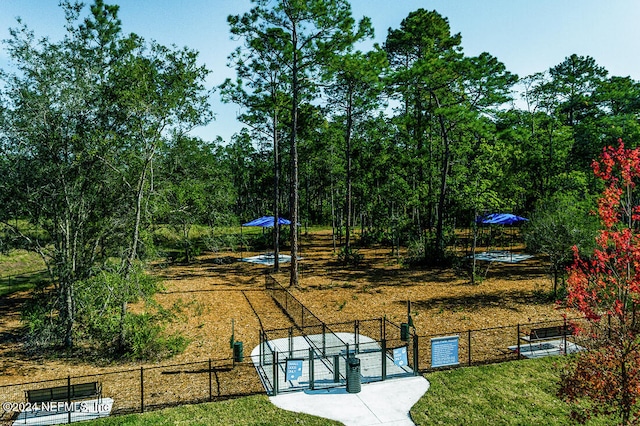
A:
x: 85, y: 118
x: 442, y: 93
x: 353, y: 92
x: 308, y: 30
x: 262, y: 88
x: 605, y: 288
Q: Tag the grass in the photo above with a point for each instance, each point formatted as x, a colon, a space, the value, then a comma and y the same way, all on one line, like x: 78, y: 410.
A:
x: 20, y: 270
x: 252, y: 410
x: 511, y: 393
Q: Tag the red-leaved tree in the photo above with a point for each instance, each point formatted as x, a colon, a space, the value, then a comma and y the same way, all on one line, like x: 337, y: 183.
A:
x: 606, y: 289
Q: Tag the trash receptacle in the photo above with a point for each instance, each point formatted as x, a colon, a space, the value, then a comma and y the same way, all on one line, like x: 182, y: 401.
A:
x: 404, y: 332
x: 238, y: 352
x: 353, y: 375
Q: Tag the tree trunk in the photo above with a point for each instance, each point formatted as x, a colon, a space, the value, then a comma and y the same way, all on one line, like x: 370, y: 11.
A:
x: 293, y: 279
x: 133, y: 250
x: 443, y: 190
x: 347, y: 241
x: 276, y: 183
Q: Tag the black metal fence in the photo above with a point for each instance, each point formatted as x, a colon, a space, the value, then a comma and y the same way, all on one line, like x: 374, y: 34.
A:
x: 322, y: 354
x: 499, y: 344
x: 388, y: 350
x: 148, y: 388
x: 324, y: 351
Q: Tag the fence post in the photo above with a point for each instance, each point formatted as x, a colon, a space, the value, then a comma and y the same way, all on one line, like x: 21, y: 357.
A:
x: 68, y: 399
x: 210, y: 380
x: 275, y: 373
x: 564, y: 338
x: 383, y: 343
x: 142, y: 389
x: 518, y: 339
x: 383, y: 330
x: 324, y: 339
x: 290, y: 342
x: 356, y: 335
x: 469, y: 343
x: 416, y: 356
x: 261, y: 349
x: 336, y: 369
x: 311, y: 365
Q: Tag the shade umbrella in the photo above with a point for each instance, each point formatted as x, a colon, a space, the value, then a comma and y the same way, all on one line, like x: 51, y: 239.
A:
x: 267, y: 222
x: 501, y: 219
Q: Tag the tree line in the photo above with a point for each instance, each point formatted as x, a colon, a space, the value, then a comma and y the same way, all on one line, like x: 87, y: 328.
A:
x: 407, y: 142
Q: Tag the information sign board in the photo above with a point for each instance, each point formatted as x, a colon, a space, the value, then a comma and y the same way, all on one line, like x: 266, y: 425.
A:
x: 294, y: 369
x: 444, y: 351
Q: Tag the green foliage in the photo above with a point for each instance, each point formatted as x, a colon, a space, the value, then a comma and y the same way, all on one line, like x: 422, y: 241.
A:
x: 146, y: 338
x: 427, y: 251
x: 82, y: 122
x: 558, y: 224
x: 99, y: 319
x: 350, y: 256
x: 42, y: 327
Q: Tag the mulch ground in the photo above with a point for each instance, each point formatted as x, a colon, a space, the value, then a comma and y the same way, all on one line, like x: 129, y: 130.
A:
x: 217, y: 289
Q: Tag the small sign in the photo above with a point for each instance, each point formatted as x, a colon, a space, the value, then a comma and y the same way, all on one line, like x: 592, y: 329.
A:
x: 444, y: 351
x: 294, y: 369
x: 400, y: 356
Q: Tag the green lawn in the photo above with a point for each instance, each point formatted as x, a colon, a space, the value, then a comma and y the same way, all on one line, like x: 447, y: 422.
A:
x: 252, y: 410
x: 511, y: 393
x: 20, y: 270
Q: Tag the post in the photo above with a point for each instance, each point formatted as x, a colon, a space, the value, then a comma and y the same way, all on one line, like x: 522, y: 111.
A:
x: 383, y: 328
x: 311, y: 362
x: 383, y: 343
x: 564, y: 338
x: 260, y: 351
x: 469, y: 343
x: 275, y: 372
x: 68, y: 399
x: 518, y: 341
x: 336, y: 369
x: 210, y: 380
x: 356, y: 335
x: 291, y: 342
x: 324, y: 339
x: 142, y: 389
x: 416, y: 356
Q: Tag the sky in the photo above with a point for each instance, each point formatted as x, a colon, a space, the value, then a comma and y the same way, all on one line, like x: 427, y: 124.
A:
x: 527, y: 36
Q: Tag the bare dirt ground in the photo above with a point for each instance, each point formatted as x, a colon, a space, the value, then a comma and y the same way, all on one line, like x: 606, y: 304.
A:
x: 217, y: 288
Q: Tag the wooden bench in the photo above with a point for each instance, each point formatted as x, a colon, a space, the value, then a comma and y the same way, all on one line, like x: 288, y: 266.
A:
x: 65, y: 393
x: 548, y: 333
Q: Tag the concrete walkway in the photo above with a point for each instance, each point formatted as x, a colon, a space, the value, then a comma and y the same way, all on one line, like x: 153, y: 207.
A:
x: 379, y: 403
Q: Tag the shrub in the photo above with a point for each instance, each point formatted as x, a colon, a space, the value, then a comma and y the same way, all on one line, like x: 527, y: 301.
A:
x: 350, y: 256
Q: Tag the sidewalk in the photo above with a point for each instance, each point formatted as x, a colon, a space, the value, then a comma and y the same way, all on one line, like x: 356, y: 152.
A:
x: 380, y: 403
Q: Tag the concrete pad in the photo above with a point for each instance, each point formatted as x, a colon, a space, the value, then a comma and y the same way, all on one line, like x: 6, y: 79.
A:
x: 380, y: 403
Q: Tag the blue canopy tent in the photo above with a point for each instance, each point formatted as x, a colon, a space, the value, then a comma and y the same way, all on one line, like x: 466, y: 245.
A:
x: 504, y: 219
x: 267, y: 222
x: 500, y: 219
